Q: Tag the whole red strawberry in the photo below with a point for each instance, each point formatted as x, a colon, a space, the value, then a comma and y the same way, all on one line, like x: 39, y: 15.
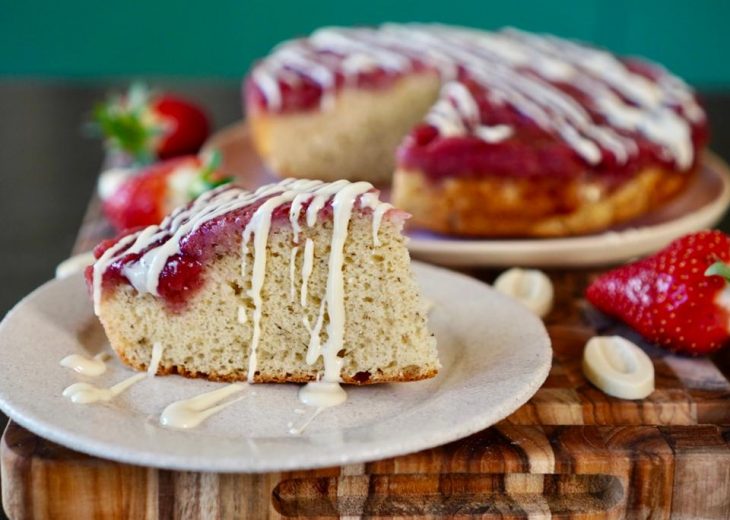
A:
x: 151, y: 126
x: 145, y: 197
x: 677, y: 298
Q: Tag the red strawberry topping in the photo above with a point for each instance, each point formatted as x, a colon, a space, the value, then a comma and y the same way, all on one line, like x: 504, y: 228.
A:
x: 675, y: 298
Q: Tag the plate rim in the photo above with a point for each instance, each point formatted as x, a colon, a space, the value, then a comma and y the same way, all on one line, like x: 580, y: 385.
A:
x: 712, y: 211
x: 86, y: 444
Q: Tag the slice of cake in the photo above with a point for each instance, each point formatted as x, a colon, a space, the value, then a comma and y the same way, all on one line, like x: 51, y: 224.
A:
x: 503, y: 133
x: 297, y: 281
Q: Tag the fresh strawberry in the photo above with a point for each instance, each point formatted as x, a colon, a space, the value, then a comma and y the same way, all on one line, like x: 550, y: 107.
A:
x: 678, y: 298
x: 148, y: 126
x: 146, y: 197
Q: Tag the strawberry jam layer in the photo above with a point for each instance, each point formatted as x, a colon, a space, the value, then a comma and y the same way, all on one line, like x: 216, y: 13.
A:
x: 183, y: 274
x: 529, y: 152
x: 307, y: 94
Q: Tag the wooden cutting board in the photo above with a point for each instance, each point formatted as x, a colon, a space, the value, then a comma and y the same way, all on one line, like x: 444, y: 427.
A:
x: 570, y: 452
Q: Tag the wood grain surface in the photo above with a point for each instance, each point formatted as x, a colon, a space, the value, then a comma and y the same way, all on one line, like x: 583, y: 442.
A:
x: 570, y: 452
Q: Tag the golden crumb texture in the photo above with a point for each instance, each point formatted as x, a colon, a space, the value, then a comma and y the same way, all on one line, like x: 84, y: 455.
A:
x: 494, y: 206
x: 355, y: 139
x: 386, y: 334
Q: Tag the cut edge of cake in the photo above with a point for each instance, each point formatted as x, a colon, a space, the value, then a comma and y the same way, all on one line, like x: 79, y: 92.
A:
x: 355, y: 316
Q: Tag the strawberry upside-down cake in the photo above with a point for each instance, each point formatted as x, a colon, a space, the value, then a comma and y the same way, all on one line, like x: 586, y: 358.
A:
x: 502, y: 133
x: 294, y: 282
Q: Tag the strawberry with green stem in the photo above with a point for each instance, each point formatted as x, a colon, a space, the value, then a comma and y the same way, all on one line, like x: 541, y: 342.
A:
x: 149, y: 126
x: 678, y: 298
x: 147, y: 196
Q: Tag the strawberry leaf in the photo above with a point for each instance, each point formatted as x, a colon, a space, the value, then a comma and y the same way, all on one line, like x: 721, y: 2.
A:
x: 719, y: 269
x: 209, y: 177
x: 124, y: 123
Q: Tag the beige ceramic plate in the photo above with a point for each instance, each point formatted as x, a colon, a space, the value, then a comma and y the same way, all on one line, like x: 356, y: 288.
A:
x: 701, y: 206
x: 495, y: 355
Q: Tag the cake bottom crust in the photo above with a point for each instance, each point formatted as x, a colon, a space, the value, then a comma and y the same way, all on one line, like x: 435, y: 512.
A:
x: 493, y: 206
x: 288, y: 377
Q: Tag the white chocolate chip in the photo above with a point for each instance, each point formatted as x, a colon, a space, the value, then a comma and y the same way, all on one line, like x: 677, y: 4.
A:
x: 618, y: 367
x: 74, y: 264
x: 530, y: 287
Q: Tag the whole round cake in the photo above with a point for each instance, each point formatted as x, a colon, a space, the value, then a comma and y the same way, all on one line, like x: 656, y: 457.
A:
x: 502, y: 133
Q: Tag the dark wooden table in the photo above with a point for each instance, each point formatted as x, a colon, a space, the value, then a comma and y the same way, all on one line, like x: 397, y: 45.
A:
x: 49, y: 168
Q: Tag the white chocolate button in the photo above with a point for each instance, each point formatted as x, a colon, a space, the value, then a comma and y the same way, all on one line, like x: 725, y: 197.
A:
x: 530, y: 287
x: 618, y: 367
x: 74, y: 264
x: 110, y: 180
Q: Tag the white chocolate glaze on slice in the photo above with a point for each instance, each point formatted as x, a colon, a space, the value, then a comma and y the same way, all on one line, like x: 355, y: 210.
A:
x: 292, y: 272
x: 342, y: 205
x: 191, y: 412
x: 370, y: 200
x: 314, y: 349
x: 85, y: 366
x: 158, y: 244
x: 86, y: 393
x: 157, y: 351
x: 101, y: 265
x: 319, y: 395
x: 322, y: 394
x: 259, y: 227
x: 307, y: 266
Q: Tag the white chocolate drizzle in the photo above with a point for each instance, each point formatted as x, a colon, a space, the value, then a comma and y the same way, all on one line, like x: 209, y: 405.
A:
x: 319, y: 395
x: 292, y: 272
x: 307, y: 266
x: 379, y: 208
x: 84, y: 365
x: 86, y: 393
x: 314, y: 349
x: 527, y: 72
x: 157, y: 351
x: 158, y: 244
x: 189, y: 413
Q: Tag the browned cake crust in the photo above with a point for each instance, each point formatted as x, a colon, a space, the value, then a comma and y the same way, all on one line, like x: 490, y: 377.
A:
x: 541, y: 207
x: 364, y: 378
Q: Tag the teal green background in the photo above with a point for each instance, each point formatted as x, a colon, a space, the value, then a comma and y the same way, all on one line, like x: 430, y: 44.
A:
x: 220, y: 38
